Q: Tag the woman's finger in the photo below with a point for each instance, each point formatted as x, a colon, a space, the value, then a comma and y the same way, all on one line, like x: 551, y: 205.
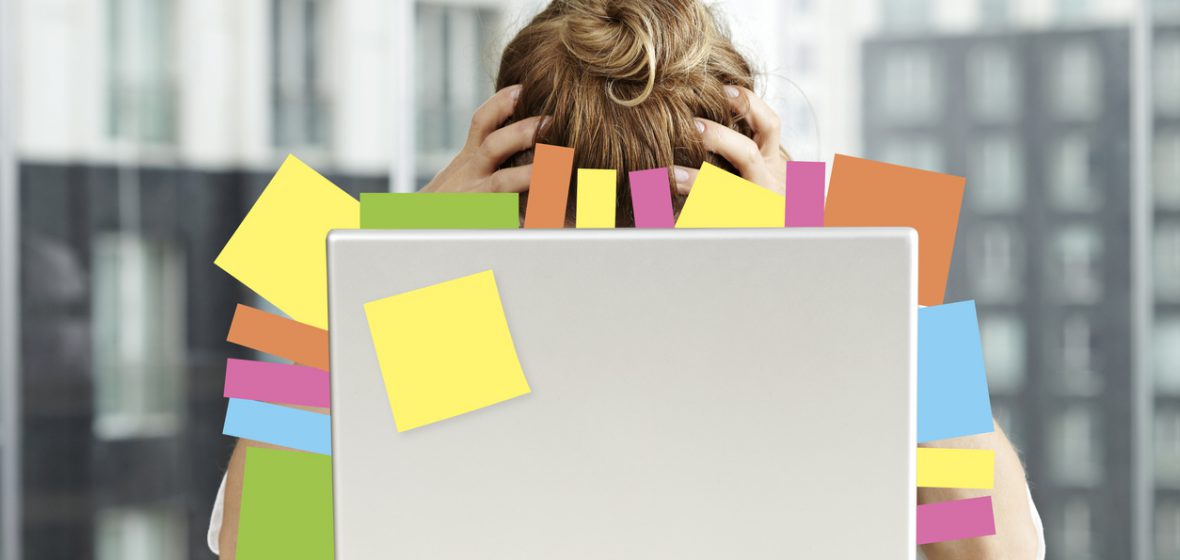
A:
x: 737, y: 149
x: 685, y: 177
x: 491, y: 114
x: 506, y: 142
x: 763, y: 119
x: 512, y: 179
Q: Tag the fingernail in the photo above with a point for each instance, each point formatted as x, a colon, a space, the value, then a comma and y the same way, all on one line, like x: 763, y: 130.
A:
x: 546, y: 120
x: 732, y: 91
x: 680, y: 174
x: 700, y: 126
x: 515, y: 93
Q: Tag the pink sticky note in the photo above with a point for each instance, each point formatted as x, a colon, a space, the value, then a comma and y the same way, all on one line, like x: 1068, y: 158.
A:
x: 651, y: 196
x: 958, y: 519
x: 276, y: 383
x: 805, y: 193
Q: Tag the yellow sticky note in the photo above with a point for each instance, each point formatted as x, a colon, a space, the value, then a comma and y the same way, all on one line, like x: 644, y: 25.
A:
x: 279, y: 249
x: 445, y: 350
x: 720, y: 199
x: 596, y: 198
x: 956, y: 468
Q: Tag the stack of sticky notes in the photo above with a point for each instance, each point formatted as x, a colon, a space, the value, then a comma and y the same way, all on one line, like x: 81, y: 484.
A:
x: 278, y: 251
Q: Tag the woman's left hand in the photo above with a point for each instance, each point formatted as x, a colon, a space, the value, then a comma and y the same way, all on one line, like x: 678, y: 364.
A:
x: 759, y: 159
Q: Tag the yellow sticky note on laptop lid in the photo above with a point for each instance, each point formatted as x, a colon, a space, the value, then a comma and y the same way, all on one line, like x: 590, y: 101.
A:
x: 445, y: 350
x: 279, y: 249
x: 720, y: 199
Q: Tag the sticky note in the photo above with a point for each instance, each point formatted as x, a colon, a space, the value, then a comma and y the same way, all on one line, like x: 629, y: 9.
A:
x: 865, y: 193
x: 276, y: 383
x: 596, y: 198
x: 445, y: 350
x: 279, y: 425
x: 953, y: 398
x: 651, y: 197
x: 440, y: 210
x: 805, y: 193
x: 279, y: 249
x: 286, y: 507
x: 720, y: 199
x: 956, y: 468
x: 549, y: 187
x: 279, y: 336
x: 958, y: 519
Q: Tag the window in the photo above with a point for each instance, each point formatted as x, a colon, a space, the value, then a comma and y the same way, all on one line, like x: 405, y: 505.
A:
x: 453, y: 77
x: 997, y: 181
x: 140, y: 533
x: 1004, y: 351
x: 1073, y: 10
x: 1166, y: 169
x: 1167, y: 528
x: 920, y: 153
x: 1166, y: 78
x: 994, y: 13
x: 1075, y: 530
x: 1167, y: 354
x: 910, y: 90
x: 1075, y: 88
x: 1071, y: 180
x: 141, y: 80
x: 906, y: 15
x: 1167, y: 260
x: 1077, y: 258
x: 999, y: 256
x: 1077, y: 361
x: 138, y: 336
x: 1077, y: 449
x: 1167, y: 447
x: 300, y: 91
x: 994, y: 78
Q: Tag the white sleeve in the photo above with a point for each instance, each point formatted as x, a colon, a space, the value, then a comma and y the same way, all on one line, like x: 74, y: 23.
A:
x: 214, y: 535
x: 1036, y: 517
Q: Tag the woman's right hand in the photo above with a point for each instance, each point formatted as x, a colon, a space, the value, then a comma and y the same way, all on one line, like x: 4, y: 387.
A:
x: 476, y: 168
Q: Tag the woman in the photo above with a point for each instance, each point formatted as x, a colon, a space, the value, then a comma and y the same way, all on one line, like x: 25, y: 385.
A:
x: 640, y: 84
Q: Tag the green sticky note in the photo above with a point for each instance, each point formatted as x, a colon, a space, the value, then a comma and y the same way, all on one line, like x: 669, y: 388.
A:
x: 286, y: 507
x: 440, y: 210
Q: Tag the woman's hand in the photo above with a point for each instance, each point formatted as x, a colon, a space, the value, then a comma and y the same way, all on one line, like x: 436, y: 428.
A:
x: 476, y: 167
x: 760, y: 159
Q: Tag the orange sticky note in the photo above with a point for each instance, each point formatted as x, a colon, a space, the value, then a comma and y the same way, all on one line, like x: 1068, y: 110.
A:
x: 866, y: 193
x: 549, y: 187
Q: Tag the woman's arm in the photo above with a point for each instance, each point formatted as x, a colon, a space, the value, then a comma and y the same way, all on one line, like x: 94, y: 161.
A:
x: 1016, y: 533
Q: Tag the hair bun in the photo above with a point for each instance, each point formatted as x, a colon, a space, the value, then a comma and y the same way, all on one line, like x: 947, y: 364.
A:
x: 630, y: 41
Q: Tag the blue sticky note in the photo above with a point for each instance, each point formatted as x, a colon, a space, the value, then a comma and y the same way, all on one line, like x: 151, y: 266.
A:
x: 279, y: 425
x: 953, y: 399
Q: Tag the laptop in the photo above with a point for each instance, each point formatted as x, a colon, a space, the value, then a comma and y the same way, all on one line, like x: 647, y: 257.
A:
x: 696, y: 394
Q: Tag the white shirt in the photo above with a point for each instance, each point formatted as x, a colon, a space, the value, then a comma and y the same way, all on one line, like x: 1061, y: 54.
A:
x: 214, y: 536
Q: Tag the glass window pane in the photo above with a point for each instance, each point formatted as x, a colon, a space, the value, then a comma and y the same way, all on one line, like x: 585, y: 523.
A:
x: 140, y: 71
x: 1167, y: 260
x: 1073, y: 530
x: 997, y: 181
x: 1077, y: 445
x: 1167, y: 353
x: 1077, y: 264
x: 1071, y: 178
x: 1075, y: 89
x: 1167, y: 447
x: 1167, y: 528
x: 997, y: 262
x: 911, y: 90
x: 139, y: 533
x: 1004, y: 351
x: 299, y: 99
x: 1166, y: 168
x: 994, y: 76
x: 1166, y: 77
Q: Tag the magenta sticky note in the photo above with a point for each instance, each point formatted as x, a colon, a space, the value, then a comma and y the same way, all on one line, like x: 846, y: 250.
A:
x: 805, y: 193
x: 276, y: 383
x: 651, y: 195
x: 958, y: 519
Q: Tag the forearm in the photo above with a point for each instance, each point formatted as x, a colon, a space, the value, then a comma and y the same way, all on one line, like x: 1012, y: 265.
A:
x: 1016, y: 535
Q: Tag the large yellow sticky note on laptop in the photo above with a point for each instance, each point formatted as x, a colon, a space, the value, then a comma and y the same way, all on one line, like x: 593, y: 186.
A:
x: 279, y: 249
x: 445, y: 350
x: 720, y: 199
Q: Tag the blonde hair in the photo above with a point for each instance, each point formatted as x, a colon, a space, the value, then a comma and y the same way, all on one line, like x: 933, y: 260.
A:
x: 623, y: 81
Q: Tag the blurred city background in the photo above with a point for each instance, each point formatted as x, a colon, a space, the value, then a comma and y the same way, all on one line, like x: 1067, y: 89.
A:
x: 134, y: 135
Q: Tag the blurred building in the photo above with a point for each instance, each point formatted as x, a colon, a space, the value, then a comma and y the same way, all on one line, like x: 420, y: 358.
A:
x: 1031, y: 102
